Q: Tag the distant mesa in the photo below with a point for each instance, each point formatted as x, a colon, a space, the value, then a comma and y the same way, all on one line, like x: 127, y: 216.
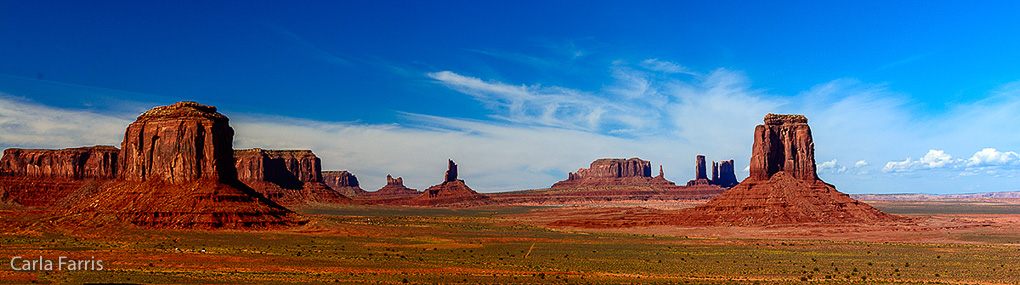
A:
x: 613, y: 173
x: 344, y: 182
x: 783, y: 187
x: 288, y: 177
x: 609, y: 172
x: 451, y: 191
x: 395, y: 188
x: 722, y: 174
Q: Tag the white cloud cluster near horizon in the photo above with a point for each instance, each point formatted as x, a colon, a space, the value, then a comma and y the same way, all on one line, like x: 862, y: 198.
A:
x: 938, y: 159
x: 653, y: 109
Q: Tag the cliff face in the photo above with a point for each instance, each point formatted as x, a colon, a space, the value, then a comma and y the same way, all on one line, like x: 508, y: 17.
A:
x: 96, y: 162
x: 178, y: 143
x: 336, y: 179
x: 43, y: 177
x: 344, y: 182
x: 783, y: 143
x: 287, y: 168
x: 727, y: 177
x: 287, y: 177
x: 699, y: 168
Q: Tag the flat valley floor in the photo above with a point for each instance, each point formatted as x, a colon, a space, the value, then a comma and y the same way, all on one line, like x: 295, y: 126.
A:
x: 951, y: 242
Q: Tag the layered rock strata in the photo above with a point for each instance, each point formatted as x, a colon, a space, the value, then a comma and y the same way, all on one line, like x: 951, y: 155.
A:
x: 96, y: 162
x: 288, y: 177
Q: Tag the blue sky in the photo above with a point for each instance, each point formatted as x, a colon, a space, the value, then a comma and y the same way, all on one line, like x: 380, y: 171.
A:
x: 902, y: 97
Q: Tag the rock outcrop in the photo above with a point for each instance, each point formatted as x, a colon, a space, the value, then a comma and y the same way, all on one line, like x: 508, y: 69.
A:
x: 178, y: 143
x: 395, y: 188
x: 344, y: 182
x: 178, y: 171
x: 287, y: 177
x: 783, y: 187
x: 722, y: 174
x: 96, y: 162
x: 783, y: 143
x: 451, y: 191
x: 727, y: 177
x: 699, y: 168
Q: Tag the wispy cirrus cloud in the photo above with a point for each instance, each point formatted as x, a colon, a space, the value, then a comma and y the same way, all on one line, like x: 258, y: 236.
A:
x: 538, y: 105
x: 655, y: 64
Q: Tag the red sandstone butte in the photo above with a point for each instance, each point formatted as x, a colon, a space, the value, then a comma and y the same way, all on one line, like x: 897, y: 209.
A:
x: 783, y: 143
x: 451, y: 191
x: 344, y: 182
x: 178, y: 169
x: 783, y: 187
x: 288, y: 177
x: 178, y: 143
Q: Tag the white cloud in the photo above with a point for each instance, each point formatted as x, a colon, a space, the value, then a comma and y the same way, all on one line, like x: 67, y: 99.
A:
x: 933, y: 159
x: 831, y: 167
x: 936, y: 159
x: 655, y: 64
x: 860, y: 163
x: 992, y: 157
x: 27, y: 124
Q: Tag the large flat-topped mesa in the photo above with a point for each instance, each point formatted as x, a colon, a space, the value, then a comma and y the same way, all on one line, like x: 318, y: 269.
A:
x: 95, y: 162
x: 616, y: 172
x: 178, y: 143
x: 614, y: 168
x: 783, y: 143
